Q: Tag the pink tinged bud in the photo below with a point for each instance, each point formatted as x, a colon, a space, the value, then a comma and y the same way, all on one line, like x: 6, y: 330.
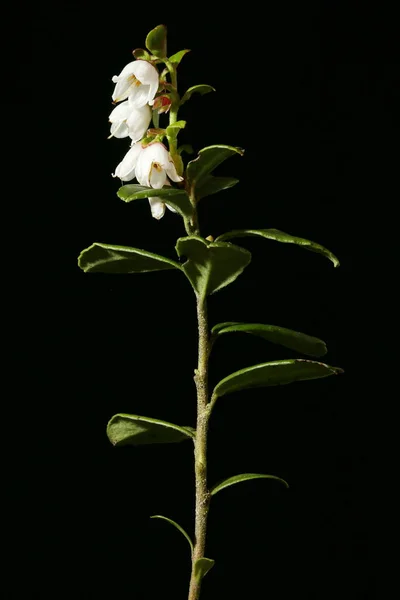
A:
x: 162, y: 104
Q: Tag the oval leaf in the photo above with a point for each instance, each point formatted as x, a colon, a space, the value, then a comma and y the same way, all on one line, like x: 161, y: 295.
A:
x: 281, y: 236
x: 106, y: 258
x: 178, y: 199
x: 177, y: 57
x: 202, y: 566
x: 196, y: 89
x: 208, y: 159
x: 173, y: 129
x: 141, y: 54
x: 278, y: 372
x: 243, y: 477
x: 294, y: 340
x: 177, y: 526
x: 211, y: 185
x: 135, y: 430
x: 211, y: 266
x: 156, y: 41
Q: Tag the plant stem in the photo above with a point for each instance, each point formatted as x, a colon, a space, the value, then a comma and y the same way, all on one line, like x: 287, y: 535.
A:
x: 200, y: 451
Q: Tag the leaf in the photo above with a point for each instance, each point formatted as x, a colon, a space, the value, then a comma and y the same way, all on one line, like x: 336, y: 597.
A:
x: 106, y: 258
x: 196, y: 89
x: 211, y: 266
x: 156, y: 118
x: 177, y: 57
x: 134, y: 430
x: 177, y: 125
x: 141, y: 54
x: 294, y: 340
x: 243, y: 477
x: 280, y: 236
x: 211, y: 185
x: 177, y: 526
x: 208, y: 159
x: 175, y: 197
x: 156, y: 41
x: 202, y: 566
x: 278, y: 372
x: 188, y: 148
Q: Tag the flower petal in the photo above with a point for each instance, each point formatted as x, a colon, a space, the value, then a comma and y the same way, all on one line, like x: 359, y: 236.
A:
x: 138, y: 95
x: 119, y: 130
x: 170, y: 208
x: 157, y: 177
x: 120, y: 112
x: 138, y: 121
x: 157, y: 207
x: 171, y: 172
x: 126, y: 168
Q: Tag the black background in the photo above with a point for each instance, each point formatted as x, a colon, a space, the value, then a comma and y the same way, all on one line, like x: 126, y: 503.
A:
x: 309, y: 93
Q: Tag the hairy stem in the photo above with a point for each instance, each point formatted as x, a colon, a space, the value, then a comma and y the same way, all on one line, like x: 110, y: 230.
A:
x: 200, y: 452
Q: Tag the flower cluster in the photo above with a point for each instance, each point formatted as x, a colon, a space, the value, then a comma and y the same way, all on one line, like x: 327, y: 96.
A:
x: 151, y: 164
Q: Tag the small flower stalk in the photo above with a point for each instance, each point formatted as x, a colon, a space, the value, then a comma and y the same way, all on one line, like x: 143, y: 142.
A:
x: 155, y: 167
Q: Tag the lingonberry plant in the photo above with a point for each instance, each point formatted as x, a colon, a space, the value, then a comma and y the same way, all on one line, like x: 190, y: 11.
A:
x: 146, y: 88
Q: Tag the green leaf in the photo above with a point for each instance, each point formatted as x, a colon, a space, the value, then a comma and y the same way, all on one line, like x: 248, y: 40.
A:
x: 243, y: 477
x: 141, y: 54
x: 208, y: 159
x: 280, y: 236
x: 278, y: 372
x: 188, y: 148
x: 106, y: 258
x: 177, y: 526
x: 175, y: 197
x: 202, y: 566
x: 177, y: 125
x: 156, y: 118
x: 156, y: 41
x: 294, y: 340
x: 135, y: 430
x: 196, y: 89
x: 211, y: 266
x: 211, y: 185
x: 177, y: 57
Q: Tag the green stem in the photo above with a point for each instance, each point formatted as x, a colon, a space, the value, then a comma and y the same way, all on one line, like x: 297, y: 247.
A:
x: 200, y: 451
x: 173, y: 117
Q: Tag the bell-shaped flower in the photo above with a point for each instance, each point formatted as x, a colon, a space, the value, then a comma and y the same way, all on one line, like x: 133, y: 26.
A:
x: 153, y: 166
x: 157, y: 206
x: 126, y: 119
x: 137, y: 80
x: 126, y: 168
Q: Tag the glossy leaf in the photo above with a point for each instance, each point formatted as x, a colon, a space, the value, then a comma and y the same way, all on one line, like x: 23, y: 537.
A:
x: 202, y: 566
x: 106, y: 258
x: 135, y: 430
x: 156, y: 41
x: 243, y: 477
x: 177, y: 57
x: 141, y: 54
x: 211, y: 185
x: 294, y: 340
x: 178, y: 199
x: 211, y: 266
x: 208, y: 159
x: 173, y: 129
x: 280, y: 236
x: 183, y: 532
x: 196, y: 89
x: 278, y: 372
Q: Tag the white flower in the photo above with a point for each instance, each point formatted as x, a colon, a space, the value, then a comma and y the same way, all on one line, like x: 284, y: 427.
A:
x: 157, y: 206
x: 126, y: 168
x: 153, y: 165
x: 126, y: 119
x: 138, y: 80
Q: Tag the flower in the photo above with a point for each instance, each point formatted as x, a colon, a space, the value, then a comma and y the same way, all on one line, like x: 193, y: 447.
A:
x: 126, y: 119
x: 137, y: 80
x: 153, y: 166
x: 157, y: 206
x: 162, y: 103
x: 126, y: 168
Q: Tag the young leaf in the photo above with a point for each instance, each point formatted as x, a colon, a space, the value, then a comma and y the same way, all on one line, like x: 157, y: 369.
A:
x: 177, y: 57
x: 177, y: 526
x: 208, y: 159
x: 202, y: 566
x: 188, y: 148
x: 134, y: 430
x: 211, y: 266
x: 243, y: 477
x: 177, y: 125
x: 178, y: 199
x: 141, y: 54
x: 278, y: 372
x: 196, y: 89
x: 211, y: 185
x: 156, y: 41
x: 294, y: 340
x: 106, y: 258
x: 280, y: 236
